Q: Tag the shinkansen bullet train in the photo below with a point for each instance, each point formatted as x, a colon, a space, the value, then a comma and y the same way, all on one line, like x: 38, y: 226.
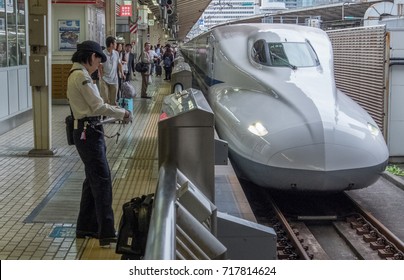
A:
x: 272, y: 89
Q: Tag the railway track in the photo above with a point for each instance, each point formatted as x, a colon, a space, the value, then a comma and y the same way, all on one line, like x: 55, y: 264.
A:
x: 332, y: 227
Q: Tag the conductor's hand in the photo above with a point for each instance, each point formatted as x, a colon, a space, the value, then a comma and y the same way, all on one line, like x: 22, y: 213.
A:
x: 128, y: 117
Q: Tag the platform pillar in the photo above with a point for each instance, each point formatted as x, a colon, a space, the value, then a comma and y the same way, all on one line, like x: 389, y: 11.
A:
x: 110, y: 18
x: 39, y: 17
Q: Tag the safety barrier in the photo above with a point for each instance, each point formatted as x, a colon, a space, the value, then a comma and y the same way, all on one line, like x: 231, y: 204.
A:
x: 182, y: 212
x: 185, y: 223
x: 181, y: 77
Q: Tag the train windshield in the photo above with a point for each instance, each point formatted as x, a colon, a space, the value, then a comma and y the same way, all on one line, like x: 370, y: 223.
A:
x: 287, y: 54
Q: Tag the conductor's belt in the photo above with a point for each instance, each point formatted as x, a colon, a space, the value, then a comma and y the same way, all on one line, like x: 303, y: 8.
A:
x: 90, y: 119
x: 87, y: 121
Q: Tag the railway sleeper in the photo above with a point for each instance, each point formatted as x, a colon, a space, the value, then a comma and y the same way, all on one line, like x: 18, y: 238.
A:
x: 357, y: 224
x: 282, y: 255
x: 369, y: 238
x: 397, y: 256
x: 364, y: 229
x: 380, y: 243
x: 385, y: 253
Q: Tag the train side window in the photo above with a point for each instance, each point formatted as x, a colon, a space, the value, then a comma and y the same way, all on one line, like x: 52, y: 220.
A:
x: 259, y: 53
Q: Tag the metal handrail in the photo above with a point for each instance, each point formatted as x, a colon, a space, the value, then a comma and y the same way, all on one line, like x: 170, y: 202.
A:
x: 161, y: 237
x: 178, y: 88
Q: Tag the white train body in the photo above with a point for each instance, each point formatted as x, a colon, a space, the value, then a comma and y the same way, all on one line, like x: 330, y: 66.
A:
x: 272, y: 89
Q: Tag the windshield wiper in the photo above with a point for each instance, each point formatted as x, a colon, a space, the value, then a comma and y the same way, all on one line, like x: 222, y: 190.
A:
x: 284, y: 60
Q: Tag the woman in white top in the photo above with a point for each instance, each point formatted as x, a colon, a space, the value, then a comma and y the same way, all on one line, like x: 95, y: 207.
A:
x: 96, y: 217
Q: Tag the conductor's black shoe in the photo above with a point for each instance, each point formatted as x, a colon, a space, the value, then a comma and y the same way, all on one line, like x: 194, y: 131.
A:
x: 148, y: 97
x: 107, y: 242
x: 86, y: 234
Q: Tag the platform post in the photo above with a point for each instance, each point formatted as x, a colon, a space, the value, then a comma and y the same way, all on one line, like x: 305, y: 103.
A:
x: 39, y: 17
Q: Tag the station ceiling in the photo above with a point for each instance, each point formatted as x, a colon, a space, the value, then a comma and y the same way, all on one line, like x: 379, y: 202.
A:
x: 331, y: 15
x: 189, y: 11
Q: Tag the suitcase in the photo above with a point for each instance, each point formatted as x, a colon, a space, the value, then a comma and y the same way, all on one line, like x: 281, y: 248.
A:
x: 126, y: 103
x: 159, y: 70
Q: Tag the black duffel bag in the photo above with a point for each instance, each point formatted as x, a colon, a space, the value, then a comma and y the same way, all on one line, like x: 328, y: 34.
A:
x: 141, y: 67
x: 134, y: 227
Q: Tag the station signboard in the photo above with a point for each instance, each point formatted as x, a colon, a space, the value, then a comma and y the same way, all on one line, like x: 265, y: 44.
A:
x: 142, y: 17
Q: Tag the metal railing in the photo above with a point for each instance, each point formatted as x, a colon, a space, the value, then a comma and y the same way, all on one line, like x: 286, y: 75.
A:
x: 161, y: 237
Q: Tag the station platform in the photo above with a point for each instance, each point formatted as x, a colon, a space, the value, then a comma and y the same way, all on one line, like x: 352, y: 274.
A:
x: 40, y: 196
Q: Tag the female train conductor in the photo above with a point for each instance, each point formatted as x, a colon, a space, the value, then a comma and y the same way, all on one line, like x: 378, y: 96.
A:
x: 96, y: 217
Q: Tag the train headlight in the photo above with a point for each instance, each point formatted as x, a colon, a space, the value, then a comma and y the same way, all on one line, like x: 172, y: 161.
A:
x: 373, y: 129
x: 258, y: 129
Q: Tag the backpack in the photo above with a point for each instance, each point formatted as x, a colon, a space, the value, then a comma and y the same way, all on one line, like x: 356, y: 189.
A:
x: 134, y: 227
x: 167, y: 61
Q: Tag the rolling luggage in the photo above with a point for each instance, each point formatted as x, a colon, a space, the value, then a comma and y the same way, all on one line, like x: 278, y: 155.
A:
x: 126, y: 103
x: 126, y: 94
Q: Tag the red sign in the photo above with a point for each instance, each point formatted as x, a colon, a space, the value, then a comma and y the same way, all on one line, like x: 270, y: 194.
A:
x: 125, y: 11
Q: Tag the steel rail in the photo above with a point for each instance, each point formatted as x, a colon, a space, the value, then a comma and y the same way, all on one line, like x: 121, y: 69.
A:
x: 161, y: 236
x: 300, y: 250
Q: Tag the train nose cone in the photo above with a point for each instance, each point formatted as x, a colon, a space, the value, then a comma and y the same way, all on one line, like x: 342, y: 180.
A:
x: 344, y: 161
x: 324, y: 157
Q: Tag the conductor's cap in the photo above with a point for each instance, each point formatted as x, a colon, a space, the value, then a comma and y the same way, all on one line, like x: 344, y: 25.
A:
x: 92, y: 47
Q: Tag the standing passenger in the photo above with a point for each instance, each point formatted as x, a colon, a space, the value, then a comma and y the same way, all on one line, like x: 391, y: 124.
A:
x: 168, y: 61
x: 153, y: 57
x: 146, y: 58
x: 96, y: 217
x: 129, y: 58
x: 119, y: 49
x: 109, y: 72
x: 158, y: 60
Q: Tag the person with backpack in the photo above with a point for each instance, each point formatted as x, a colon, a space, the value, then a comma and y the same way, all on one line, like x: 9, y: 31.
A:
x: 168, y: 62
